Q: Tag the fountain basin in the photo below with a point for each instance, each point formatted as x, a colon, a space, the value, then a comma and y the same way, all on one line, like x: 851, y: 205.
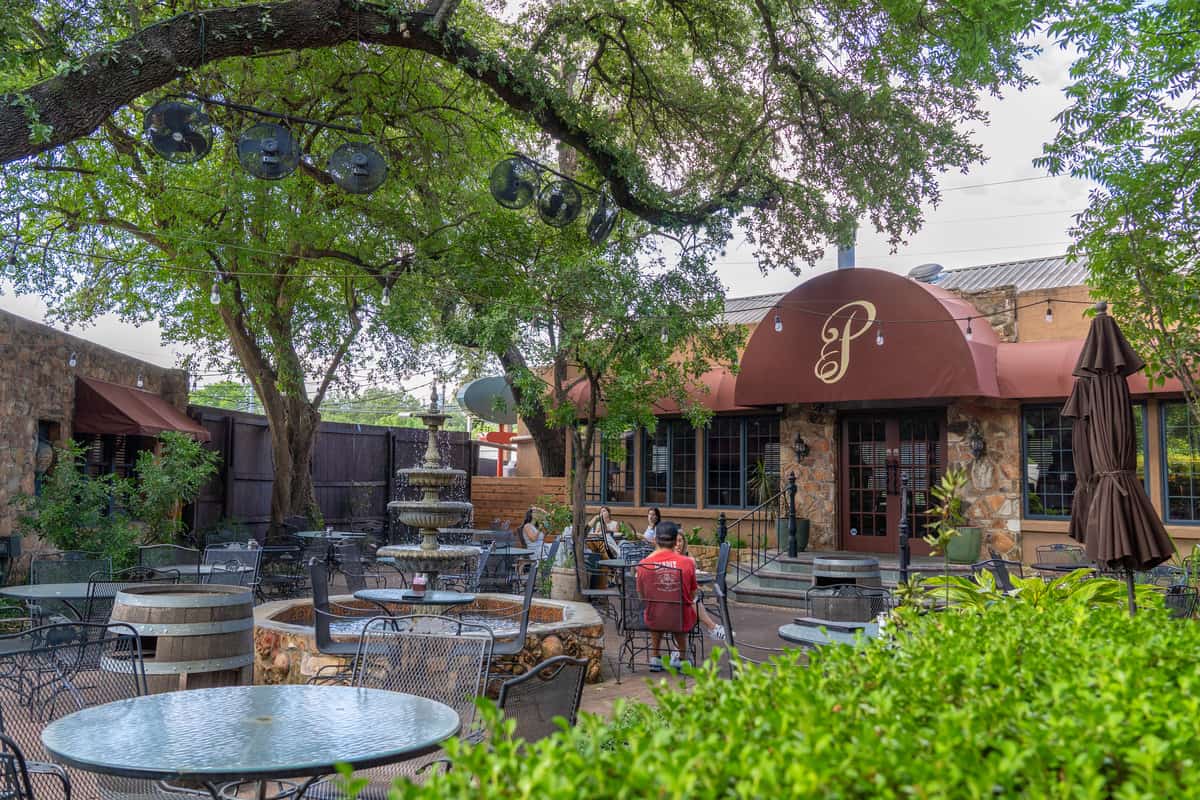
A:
x: 285, y: 646
x: 430, y: 514
x: 431, y: 477
x: 456, y: 559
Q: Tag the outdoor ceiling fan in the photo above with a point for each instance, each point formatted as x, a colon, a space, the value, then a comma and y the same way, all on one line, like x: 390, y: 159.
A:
x: 517, y: 181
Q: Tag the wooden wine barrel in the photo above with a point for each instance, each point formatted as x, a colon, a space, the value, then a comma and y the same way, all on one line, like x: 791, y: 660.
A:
x: 194, y: 636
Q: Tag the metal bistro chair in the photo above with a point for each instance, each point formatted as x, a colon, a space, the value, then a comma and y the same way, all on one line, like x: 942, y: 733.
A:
x: 471, y: 582
x: 633, y: 552
x: 51, y: 671
x: 660, y: 610
x: 14, y: 774
x: 72, y: 566
x: 602, y: 599
x: 358, y: 573
x: 102, y: 589
x: 436, y: 657
x: 281, y: 574
x: 1001, y: 570
x: 541, y: 570
x: 167, y: 555
x: 513, y: 645
x: 236, y: 566
x: 326, y: 614
x: 549, y: 691
x: 1180, y: 601
x: 1061, y: 554
x: 848, y: 602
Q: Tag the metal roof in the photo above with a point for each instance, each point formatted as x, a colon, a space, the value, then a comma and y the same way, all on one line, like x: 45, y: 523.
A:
x: 1033, y: 273
x: 749, y: 310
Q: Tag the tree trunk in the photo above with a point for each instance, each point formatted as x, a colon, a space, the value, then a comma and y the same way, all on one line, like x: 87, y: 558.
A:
x: 581, y: 466
x: 293, y: 437
x: 551, y: 443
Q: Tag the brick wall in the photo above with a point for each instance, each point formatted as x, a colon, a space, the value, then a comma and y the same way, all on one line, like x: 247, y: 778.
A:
x: 37, y: 384
x: 507, y: 499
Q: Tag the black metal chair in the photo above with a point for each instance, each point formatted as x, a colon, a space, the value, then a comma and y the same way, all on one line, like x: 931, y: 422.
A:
x: 848, y: 602
x: 1180, y: 601
x: 281, y: 574
x: 604, y: 599
x: 233, y: 565
x: 358, y: 573
x: 436, y: 657
x: 656, y: 607
x: 72, y: 566
x: 634, y: 552
x: 541, y: 570
x: 14, y: 773
x: 472, y: 582
x: 102, y: 589
x: 511, y: 646
x: 326, y: 614
x: 51, y: 671
x: 167, y: 555
x: 550, y: 691
x: 1061, y: 554
x: 1001, y: 570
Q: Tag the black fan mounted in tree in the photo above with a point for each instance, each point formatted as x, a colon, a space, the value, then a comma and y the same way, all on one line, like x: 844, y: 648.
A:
x: 357, y: 168
x: 268, y: 151
x: 179, y: 132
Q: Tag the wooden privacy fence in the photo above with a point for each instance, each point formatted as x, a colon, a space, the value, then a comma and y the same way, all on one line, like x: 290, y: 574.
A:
x: 353, y: 467
x: 507, y: 499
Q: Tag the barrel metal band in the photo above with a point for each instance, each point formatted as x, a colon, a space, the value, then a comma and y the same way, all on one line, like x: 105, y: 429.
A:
x: 192, y: 628
x: 184, y: 600
x: 200, y: 665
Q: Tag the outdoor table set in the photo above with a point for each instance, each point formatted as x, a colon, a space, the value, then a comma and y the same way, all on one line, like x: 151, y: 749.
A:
x: 428, y: 602
x: 225, y: 738
x: 332, y: 539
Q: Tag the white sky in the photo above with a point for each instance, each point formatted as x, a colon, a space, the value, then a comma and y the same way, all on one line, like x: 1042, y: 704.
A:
x: 971, y: 226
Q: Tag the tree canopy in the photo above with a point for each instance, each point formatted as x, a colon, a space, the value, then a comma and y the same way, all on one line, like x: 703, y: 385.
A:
x: 1133, y: 127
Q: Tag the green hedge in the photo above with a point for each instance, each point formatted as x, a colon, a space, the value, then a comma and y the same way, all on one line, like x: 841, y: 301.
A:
x: 1015, y: 701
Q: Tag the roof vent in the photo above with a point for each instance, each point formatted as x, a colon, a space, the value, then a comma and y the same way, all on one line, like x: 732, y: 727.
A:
x: 926, y: 273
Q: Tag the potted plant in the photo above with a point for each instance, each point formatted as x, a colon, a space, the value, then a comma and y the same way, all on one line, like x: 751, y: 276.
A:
x: 949, y: 534
x: 555, y: 518
x: 764, y: 485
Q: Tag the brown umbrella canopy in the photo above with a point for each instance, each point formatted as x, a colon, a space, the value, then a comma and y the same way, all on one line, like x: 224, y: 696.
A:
x: 1122, y: 529
x: 1082, y: 456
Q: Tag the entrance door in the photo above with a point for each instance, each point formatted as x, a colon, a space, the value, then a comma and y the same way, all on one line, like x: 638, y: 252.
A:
x: 880, y: 450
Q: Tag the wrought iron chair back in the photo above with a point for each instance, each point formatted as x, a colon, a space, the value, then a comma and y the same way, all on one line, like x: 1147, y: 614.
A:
x: 541, y: 571
x: 167, y: 555
x: 72, y: 566
x: 1061, y: 554
x: 514, y: 645
x: 549, y: 691
x: 14, y: 774
x: 281, y: 573
x: 1181, y: 601
x: 1001, y: 570
x: 249, y: 558
x: 51, y: 671
x: 660, y: 588
x: 102, y: 589
x: 848, y: 602
x: 354, y: 570
x: 634, y: 551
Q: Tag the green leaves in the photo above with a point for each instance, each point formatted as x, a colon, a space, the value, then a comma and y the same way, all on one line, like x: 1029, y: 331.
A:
x: 1016, y: 701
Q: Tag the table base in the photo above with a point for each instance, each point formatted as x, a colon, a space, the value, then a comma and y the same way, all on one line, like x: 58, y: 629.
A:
x: 282, y: 790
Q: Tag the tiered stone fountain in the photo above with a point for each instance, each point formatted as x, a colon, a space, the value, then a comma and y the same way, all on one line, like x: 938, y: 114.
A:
x: 431, y: 512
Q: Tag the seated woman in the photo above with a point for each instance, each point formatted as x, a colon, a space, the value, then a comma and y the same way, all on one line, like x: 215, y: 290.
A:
x: 653, y: 517
x: 529, y: 536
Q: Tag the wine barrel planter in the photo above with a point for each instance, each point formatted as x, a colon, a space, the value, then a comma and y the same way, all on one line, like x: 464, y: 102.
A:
x: 194, y: 636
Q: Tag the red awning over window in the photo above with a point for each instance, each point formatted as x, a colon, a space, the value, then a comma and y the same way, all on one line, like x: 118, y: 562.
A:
x: 102, y: 407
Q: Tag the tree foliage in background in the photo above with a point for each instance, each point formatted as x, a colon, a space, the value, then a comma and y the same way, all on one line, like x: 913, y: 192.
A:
x: 299, y: 266
x: 164, y: 481
x: 800, y: 115
x: 596, y: 341
x: 1133, y: 126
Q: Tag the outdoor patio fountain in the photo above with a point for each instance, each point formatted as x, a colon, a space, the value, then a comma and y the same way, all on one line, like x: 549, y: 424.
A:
x: 431, y: 512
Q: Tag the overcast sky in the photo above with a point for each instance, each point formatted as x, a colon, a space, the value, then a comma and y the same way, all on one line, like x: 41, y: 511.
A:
x: 973, y: 225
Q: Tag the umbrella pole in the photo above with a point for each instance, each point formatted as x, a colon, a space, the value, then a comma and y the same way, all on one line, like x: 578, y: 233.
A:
x: 1129, y: 586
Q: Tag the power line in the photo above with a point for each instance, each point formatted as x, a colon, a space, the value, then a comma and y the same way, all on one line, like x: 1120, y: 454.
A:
x: 1030, y: 179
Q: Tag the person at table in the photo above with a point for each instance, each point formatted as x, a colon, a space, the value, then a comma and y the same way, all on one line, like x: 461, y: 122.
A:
x: 649, y: 584
x: 528, y: 535
x: 604, y: 526
x: 714, y: 629
x: 653, y: 517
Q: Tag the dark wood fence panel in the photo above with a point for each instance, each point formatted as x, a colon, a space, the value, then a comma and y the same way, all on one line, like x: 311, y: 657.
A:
x: 354, y: 470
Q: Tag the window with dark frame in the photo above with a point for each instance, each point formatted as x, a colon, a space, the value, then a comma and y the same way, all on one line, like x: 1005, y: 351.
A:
x: 735, y: 445
x: 669, y: 464
x: 610, y: 479
x: 1048, y: 470
x: 1180, y: 463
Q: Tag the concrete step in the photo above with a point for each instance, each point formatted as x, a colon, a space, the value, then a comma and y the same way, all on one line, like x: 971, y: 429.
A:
x: 751, y: 591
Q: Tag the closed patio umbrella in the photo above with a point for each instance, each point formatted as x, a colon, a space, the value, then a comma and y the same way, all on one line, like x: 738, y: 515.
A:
x: 1122, y: 529
x: 1082, y: 456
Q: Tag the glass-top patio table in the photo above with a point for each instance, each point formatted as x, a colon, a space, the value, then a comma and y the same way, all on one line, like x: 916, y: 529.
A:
x: 428, y: 602
x: 249, y: 733
x: 68, y: 593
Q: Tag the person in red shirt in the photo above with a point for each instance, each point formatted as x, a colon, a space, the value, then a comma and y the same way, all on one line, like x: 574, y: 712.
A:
x: 662, y: 591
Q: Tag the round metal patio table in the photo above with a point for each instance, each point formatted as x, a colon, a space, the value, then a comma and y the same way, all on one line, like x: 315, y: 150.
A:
x: 1056, y: 567
x: 67, y: 593
x: 333, y: 535
x: 249, y: 733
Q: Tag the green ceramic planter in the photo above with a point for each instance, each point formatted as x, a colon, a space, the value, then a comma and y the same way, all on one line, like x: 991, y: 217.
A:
x: 964, y: 548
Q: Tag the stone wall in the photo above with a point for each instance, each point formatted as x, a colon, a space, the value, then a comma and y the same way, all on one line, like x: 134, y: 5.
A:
x: 816, y: 473
x: 993, y: 493
x: 999, y: 307
x: 37, y: 384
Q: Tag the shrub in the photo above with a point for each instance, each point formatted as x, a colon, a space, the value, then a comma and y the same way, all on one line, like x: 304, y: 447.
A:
x: 165, y: 482
x: 1018, y: 700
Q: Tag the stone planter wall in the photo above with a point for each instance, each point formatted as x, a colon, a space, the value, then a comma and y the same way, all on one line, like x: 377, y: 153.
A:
x: 285, y: 649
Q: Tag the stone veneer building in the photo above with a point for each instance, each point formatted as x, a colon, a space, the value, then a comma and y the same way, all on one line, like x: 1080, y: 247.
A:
x: 44, y: 401
x: 859, y: 377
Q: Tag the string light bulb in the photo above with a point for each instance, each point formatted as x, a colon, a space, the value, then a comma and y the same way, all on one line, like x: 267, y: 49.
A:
x: 970, y: 333
x: 72, y: 361
x: 879, y: 336
x: 665, y: 336
x: 1049, y: 313
x: 778, y: 324
x: 214, y: 297
x: 140, y: 381
x: 386, y: 300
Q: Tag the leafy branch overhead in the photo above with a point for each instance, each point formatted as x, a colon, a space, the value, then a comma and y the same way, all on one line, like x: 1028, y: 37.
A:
x: 801, y: 116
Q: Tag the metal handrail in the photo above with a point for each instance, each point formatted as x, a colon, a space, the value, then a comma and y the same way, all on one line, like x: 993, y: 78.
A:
x: 757, y: 527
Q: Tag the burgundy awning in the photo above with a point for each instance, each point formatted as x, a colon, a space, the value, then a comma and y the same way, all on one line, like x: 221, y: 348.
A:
x: 1042, y: 370
x: 713, y: 390
x: 102, y: 407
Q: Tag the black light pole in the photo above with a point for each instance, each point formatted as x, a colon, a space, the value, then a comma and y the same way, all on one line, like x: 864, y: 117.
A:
x: 791, y: 516
x: 904, y: 532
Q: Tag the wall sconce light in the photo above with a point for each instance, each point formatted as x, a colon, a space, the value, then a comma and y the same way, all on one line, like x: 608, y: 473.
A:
x: 800, y: 447
x: 975, y: 440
